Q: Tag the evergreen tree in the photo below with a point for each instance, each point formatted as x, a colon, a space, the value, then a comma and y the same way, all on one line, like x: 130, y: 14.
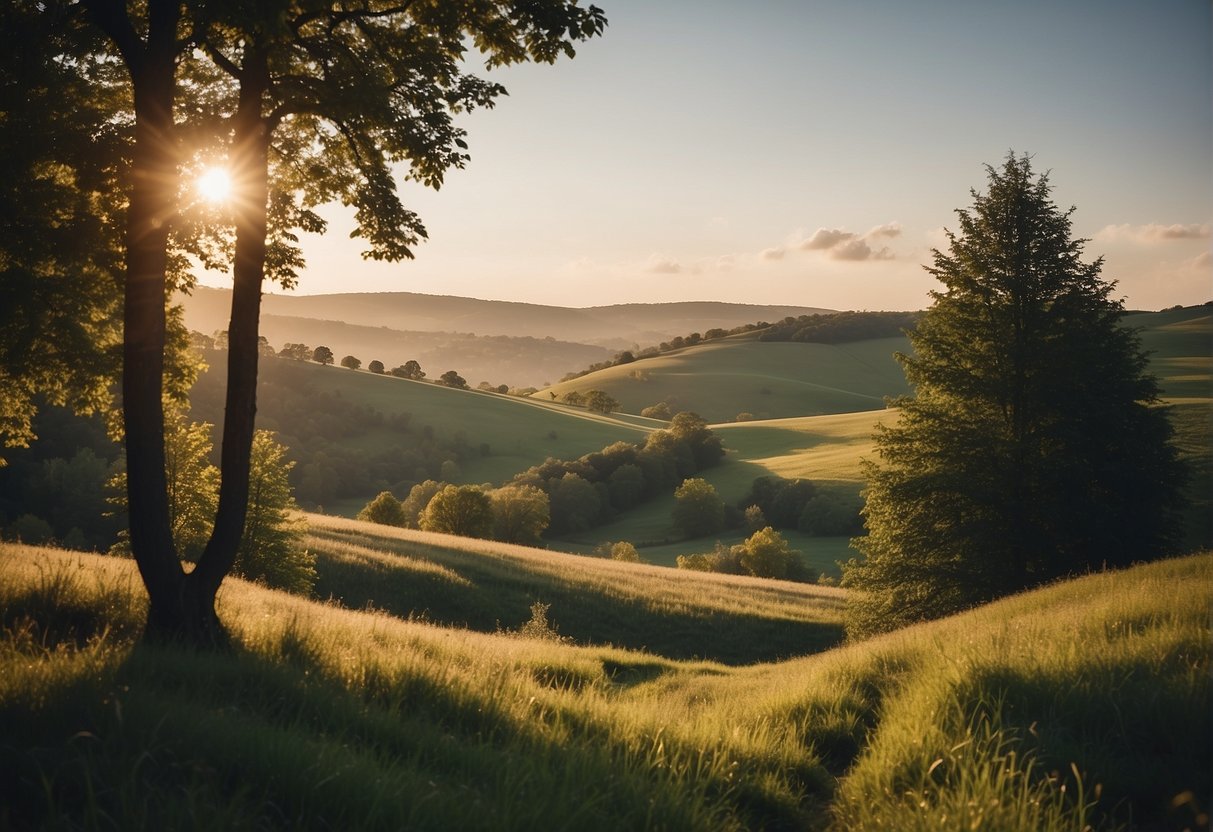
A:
x: 1033, y: 446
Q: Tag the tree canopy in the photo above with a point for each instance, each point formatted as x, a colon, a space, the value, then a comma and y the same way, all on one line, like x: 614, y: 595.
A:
x: 309, y: 103
x: 1033, y: 446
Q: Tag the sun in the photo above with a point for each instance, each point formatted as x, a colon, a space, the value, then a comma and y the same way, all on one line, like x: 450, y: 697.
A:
x: 214, y: 184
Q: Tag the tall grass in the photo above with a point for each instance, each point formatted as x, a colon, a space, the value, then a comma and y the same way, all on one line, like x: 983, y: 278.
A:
x: 1085, y: 703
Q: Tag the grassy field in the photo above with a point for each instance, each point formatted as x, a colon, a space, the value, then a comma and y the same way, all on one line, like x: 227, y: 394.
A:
x: 486, y: 586
x: 1082, y: 704
x: 520, y: 432
x: 720, y: 379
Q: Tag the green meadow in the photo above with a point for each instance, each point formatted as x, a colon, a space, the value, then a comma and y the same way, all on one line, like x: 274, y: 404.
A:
x: 721, y: 379
x: 1081, y: 705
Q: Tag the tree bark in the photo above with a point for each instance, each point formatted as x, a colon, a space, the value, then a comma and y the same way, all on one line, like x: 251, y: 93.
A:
x: 174, y: 610
x: 249, y: 163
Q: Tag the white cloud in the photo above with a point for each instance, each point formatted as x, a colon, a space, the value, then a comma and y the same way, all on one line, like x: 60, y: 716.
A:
x: 826, y: 238
x: 889, y: 229
x: 1154, y: 232
x: 775, y: 253
x: 857, y: 250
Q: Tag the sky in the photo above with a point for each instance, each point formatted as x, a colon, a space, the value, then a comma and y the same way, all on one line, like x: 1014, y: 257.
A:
x: 811, y: 153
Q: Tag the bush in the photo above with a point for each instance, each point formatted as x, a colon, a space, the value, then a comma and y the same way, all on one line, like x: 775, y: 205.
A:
x: 464, y: 510
x: 831, y: 515
x: 521, y: 513
x: 661, y: 410
x: 698, y: 510
x: 766, y: 554
x: 418, y: 498
x: 385, y: 509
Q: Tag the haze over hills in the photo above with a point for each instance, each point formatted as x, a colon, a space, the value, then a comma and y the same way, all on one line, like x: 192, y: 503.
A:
x: 389, y: 326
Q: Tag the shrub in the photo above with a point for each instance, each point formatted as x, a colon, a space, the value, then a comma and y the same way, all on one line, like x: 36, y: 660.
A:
x: 698, y: 510
x: 464, y: 510
x: 385, y: 509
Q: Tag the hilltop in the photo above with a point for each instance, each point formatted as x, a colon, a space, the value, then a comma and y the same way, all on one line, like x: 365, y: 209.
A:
x: 392, y: 327
x: 1012, y: 716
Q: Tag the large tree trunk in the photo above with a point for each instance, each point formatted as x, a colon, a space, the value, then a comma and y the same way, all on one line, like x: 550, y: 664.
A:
x: 174, y: 610
x: 249, y: 164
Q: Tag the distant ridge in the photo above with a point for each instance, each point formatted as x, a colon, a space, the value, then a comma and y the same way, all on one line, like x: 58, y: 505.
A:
x: 616, y: 327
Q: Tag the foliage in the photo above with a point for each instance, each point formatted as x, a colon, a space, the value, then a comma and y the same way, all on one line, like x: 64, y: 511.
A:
x: 322, y: 355
x: 418, y: 498
x: 574, y: 398
x: 463, y: 510
x: 538, y: 627
x: 61, y: 150
x: 452, y: 379
x: 693, y: 429
x: 840, y: 327
x: 1012, y: 464
x: 409, y: 369
x: 353, y: 363
x: 599, y: 402
x: 698, y: 509
x: 575, y: 504
x: 661, y: 410
x: 384, y: 509
x: 520, y: 514
x: 625, y: 552
x: 831, y: 514
x: 296, y: 352
x: 781, y: 501
x: 766, y: 554
x: 754, y: 519
x: 271, y: 549
x: 376, y: 367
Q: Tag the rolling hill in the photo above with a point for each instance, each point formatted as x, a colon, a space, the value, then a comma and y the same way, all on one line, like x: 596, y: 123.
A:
x: 612, y: 327
x: 1085, y: 703
x: 721, y: 379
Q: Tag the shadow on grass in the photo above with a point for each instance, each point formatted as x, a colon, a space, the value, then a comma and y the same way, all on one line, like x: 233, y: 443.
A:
x: 156, y: 737
x: 494, y: 595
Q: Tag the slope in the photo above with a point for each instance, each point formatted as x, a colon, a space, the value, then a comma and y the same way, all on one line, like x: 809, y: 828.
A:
x: 721, y: 379
x: 1013, y: 716
x: 617, y: 327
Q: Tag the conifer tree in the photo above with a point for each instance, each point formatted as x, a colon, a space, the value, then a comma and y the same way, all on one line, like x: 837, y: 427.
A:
x: 1033, y: 445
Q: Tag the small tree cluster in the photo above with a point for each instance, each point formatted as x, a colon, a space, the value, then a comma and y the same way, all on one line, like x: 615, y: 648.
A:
x: 511, y: 514
x: 352, y: 363
x: 592, y: 489
x: 410, y: 370
x: 295, y: 352
x: 765, y: 554
x: 452, y: 379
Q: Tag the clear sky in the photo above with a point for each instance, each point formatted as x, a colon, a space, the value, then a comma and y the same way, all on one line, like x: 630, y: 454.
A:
x: 706, y: 150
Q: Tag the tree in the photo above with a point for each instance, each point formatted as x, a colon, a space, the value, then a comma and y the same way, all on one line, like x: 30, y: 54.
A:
x: 464, y: 510
x: 693, y: 429
x: 385, y: 509
x: 766, y: 554
x: 1032, y: 447
x: 412, y: 370
x: 520, y: 513
x: 575, y: 504
x: 376, y: 367
x: 328, y: 95
x: 698, y: 509
x: 452, y: 379
x: 296, y: 352
x: 322, y: 355
x: 350, y: 362
x: 573, y: 398
x: 418, y: 498
x: 599, y: 402
x: 271, y: 549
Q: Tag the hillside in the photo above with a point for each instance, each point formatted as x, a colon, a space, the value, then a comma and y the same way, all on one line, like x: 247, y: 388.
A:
x: 721, y: 379
x: 615, y: 327
x: 1012, y: 716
